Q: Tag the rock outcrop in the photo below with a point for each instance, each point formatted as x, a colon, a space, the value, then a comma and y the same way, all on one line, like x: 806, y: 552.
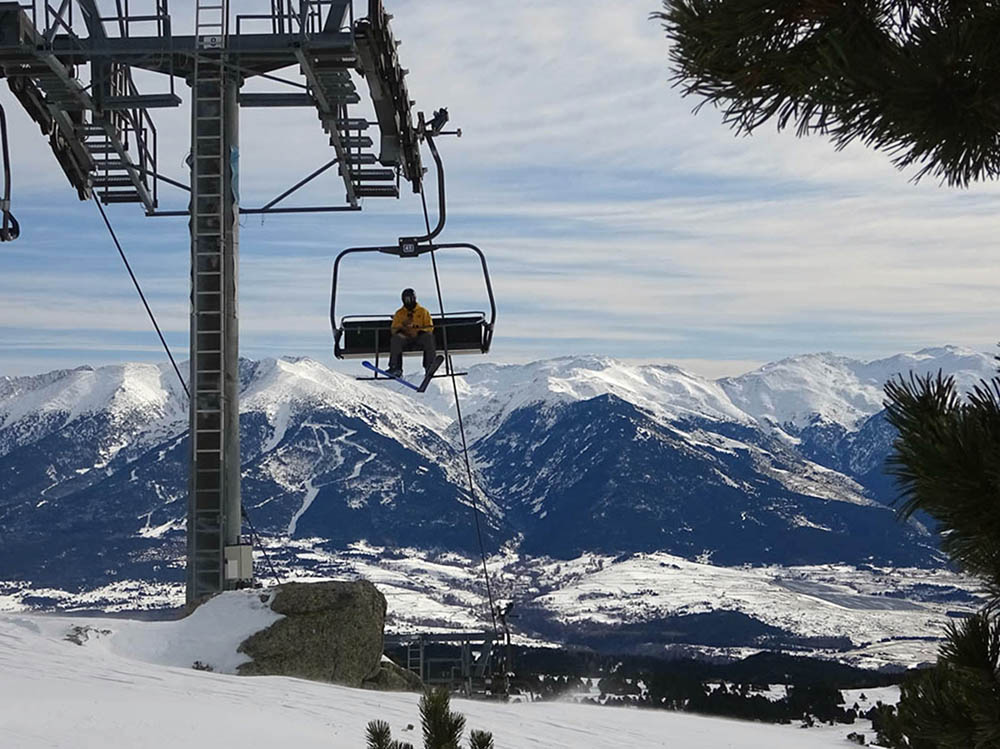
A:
x: 331, y: 631
x: 392, y: 678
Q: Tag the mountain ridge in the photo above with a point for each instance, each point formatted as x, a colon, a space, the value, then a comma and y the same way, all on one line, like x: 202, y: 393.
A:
x: 573, y: 455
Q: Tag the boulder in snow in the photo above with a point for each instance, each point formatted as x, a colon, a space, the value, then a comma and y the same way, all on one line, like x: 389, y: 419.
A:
x: 332, y: 631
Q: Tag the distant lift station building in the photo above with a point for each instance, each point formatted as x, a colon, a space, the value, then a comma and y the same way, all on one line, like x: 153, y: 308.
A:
x: 71, y: 65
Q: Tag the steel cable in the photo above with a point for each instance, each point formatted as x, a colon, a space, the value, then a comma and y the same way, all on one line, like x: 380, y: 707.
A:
x: 142, y: 296
x: 461, y: 424
x: 152, y: 317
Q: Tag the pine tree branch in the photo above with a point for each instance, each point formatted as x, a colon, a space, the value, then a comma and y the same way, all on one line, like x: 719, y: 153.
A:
x: 918, y: 79
x: 946, y: 460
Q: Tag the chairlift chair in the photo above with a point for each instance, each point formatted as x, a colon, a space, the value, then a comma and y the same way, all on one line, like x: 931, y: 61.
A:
x: 367, y: 336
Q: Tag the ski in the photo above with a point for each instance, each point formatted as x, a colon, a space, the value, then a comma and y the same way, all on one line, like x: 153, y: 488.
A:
x: 386, y: 374
x: 438, y: 361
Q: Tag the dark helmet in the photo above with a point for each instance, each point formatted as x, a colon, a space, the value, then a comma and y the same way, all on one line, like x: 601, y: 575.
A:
x: 409, y: 298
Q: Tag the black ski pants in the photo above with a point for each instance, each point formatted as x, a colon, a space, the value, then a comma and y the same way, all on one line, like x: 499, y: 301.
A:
x: 421, y: 341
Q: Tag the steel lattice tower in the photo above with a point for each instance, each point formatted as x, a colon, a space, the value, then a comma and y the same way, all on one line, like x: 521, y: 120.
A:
x: 104, y: 139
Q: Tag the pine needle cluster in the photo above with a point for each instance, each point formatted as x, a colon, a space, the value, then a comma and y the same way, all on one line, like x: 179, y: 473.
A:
x: 918, y: 79
x: 442, y: 728
x: 946, y: 459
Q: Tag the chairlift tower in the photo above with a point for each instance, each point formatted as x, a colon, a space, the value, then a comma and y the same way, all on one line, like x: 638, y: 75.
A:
x: 71, y: 65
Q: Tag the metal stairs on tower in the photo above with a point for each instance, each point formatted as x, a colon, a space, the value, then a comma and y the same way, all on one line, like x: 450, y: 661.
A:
x: 103, y: 146
x: 328, y: 76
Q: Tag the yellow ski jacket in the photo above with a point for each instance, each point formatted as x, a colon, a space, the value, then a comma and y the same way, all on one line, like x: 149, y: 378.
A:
x: 411, y: 322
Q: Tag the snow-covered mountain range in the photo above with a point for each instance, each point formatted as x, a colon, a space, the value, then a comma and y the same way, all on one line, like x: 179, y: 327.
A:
x: 574, y: 458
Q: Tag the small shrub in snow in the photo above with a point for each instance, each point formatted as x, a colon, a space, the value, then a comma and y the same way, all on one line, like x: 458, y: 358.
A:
x: 480, y: 740
x: 442, y: 728
x: 379, y: 736
x: 79, y: 635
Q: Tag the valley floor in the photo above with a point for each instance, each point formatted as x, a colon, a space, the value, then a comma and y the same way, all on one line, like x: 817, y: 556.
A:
x: 864, y: 615
x: 130, y: 684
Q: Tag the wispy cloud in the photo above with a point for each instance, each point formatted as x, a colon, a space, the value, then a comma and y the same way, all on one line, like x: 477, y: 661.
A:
x: 615, y: 220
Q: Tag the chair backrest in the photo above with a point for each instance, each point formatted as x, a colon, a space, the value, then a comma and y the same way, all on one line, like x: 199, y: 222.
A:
x: 369, y: 335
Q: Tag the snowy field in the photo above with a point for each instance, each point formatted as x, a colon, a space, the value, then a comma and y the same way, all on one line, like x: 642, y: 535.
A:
x: 130, y: 684
x: 891, y: 616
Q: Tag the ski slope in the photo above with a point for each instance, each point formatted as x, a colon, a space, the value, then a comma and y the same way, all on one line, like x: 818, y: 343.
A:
x: 130, y: 684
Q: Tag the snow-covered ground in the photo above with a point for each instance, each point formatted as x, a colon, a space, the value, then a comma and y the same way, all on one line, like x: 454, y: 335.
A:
x: 124, y: 683
x: 892, y: 616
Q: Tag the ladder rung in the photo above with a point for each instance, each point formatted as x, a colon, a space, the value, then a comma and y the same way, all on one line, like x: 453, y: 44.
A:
x: 359, y: 158
x: 124, y: 197
x: 381, y: 175
x: 376, y: 191
x: 112, y: 182
x: 338, y: 87
x: 337, y: 63
x: 353, y: 124
x: 356, y: 141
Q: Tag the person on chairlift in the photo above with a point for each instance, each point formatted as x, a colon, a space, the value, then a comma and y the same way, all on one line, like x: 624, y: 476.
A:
x: 412, y: 328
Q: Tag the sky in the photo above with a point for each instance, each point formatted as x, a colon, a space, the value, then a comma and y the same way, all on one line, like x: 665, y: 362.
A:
x: 616, y: 221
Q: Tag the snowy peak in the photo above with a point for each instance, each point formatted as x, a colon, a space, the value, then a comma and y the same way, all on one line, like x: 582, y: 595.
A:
x: 133, y: 396
x: 276, y: 385
x: 491, y: 392
x: 825, y: 388
x: 120, y: 388
x: 965, y: 365
x: 795, y: 391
